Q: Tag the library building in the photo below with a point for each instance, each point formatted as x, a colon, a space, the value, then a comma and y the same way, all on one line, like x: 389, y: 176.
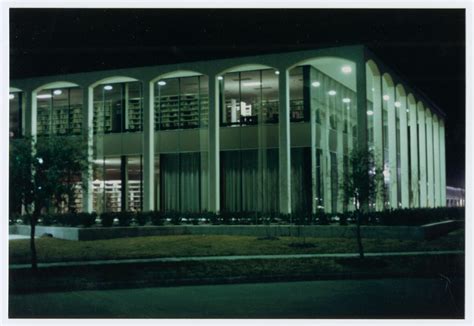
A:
x: 268, y: 133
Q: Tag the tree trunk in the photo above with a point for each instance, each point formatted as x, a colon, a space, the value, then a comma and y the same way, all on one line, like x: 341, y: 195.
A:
x: 34, y: 261
x: 359, y: 239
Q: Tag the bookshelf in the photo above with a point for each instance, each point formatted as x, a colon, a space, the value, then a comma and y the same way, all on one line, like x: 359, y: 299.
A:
x: 134, y: 115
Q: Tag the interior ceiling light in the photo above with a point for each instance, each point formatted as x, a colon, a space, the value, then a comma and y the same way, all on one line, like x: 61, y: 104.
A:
x: 42, y: 96
x: 220, y: 78
x: 397, y: 104
x: 346, y: 100
x: 57, y: 92
x: 408, y: 110
x: 162, y: 83
x: 370, y: 112
x: 108, y: 87
x: 316, y: 84
x: 12, y: 96
x: 251, y: 84
x: 332, y: 92
x: 277, y: 72
x: 346, y: 69
x: 386, y: 97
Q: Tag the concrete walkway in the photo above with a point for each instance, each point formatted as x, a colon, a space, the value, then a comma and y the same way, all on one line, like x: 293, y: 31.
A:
x: 226, y: 258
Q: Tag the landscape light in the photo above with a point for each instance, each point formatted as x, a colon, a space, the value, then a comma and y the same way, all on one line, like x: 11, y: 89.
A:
x: 332, y: 92
x: 386, y: 97
x: 316, y: 84
x: 397, y: 104
x: 370, y: 112
x: 220, y: 78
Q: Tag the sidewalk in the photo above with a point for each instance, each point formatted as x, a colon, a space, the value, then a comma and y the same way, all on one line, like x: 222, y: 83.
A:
x: 233, y: 258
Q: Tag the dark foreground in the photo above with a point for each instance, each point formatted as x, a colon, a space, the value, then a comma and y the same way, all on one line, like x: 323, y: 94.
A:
x: 370, y: 298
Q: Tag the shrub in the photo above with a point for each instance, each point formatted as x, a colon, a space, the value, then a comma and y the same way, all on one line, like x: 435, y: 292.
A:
x: 48, y: 219
x: 174, y: 217
x: 142, y: 218
x: 157, y: 218
x: 226, y: 217
x: 322, y: 218
x: 87, y: 219
x: 125, y: 218
x: 107, y: 219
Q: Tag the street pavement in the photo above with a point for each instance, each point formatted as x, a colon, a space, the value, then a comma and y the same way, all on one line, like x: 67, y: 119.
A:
x: 373, y: 298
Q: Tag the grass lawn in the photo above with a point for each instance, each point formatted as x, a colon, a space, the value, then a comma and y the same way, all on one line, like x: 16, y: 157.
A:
x: 56, y: 250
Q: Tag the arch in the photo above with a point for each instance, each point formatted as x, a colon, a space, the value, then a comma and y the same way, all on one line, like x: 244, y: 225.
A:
x: 372, y: 67
x: 177, y: 74
x: 57, y: 84
x: 15, y: 90
x: 388, y: 79
x: 420, y: 106
x: 400, y: 90
x: 245, y: 67
x: 338, y: 68
x: 411, y: 100
x: 113, y: 80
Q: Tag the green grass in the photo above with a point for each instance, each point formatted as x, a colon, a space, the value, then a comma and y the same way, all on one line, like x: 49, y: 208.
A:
x: 56, y: 250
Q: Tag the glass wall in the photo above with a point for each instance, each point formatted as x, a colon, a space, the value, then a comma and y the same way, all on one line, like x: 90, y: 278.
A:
x: 249, y: 97
x: 181, y: 103
x: 16, y: 114
x: 244, y: 188
x: 59, y: 111
x: 118, y: 107
x: 323, y: 93
x: 117, y: 184
x: 180, y: 179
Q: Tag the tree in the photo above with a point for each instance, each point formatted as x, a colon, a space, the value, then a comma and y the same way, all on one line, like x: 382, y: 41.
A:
x: 43, y: 175
x: 360, y: 186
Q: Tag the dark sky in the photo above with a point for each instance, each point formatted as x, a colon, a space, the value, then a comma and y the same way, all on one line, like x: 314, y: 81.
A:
x: 427, y: 47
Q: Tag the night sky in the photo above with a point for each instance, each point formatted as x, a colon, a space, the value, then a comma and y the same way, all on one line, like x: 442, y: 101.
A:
x: 427, y: 47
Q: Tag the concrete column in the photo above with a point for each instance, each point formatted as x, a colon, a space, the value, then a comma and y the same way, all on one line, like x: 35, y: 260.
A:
x: 361, y: 88
x: 437, y: 165
x: 422, y: 155
x: 148, y: 147
x: 340, y: 151
x: 313, y: 126
x: 214, y: 145
x: 378, y: 140
x: 326, y: 160
x: 124, y: 180
x: 442, y: 154
x: 415, y: 198
x: 88, y: 137
x: 430, y: 157
x: 402, y: 110
x: 392, y: 145
x: 30, y: 114
x: 284, y: 152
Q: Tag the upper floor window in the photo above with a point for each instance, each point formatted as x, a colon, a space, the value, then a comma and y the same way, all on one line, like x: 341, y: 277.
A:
x: 181, y: 102
x: 118, y: 107
x: 16, y: 114
x: 59, y: 111
x: 249, y: 97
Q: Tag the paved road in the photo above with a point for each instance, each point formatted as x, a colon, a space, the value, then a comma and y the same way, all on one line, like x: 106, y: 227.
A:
x: 383, y: 298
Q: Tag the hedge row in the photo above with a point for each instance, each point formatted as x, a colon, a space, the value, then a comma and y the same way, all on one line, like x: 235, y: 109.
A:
x: 418, y: 216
